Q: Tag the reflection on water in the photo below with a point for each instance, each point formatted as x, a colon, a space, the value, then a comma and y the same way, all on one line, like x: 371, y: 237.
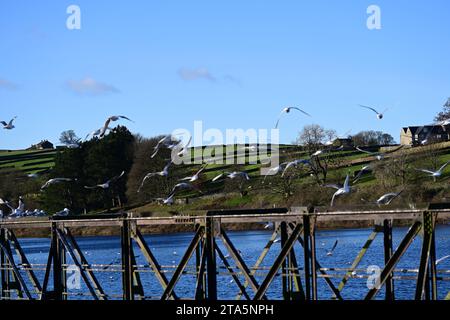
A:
x: 169, y: 250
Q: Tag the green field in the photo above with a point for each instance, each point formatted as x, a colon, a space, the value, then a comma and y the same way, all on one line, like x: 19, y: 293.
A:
x: 29, y: 161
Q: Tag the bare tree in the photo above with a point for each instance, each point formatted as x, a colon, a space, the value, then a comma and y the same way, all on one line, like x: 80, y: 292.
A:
x: 445, y: 113
x: 69, y: 137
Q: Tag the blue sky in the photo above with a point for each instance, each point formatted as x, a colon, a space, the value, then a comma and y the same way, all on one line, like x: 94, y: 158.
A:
x: 232, y: 64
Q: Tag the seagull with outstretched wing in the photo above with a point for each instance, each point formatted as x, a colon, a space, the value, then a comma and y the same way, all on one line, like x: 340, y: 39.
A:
x: 9, y: 125
x: 295, y: 163
x: 107, y: 184
x: 435, y: 174
x: 108, y: 121
x: 163, y: 173
x: 380, y: 115
x: 288, y: 110
x: 196, y: 176
x: 55, y: 181
x: 331, y: 252
x: 341, y: 190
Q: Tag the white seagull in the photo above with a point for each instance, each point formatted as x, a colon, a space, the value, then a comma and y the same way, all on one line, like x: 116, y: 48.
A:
x: 435, y: 174
x: 378, y: 155
x: 341, y: 190
x: 288, y: 110
x: 9, y: 125
x: 331, y: 252
x: 273, y: 171
x: 386, y: 199
x: 232, y: 175
x: 55, y: 181
x: 196, y: 176
x: 380, y: 115
x: 183, y: 186
x: 442, y: 260
x: 163, y: 173
x: 361, y: 172
x: 296, y: 163
x: 108, y: 183
x: 109, y: 120
x: 63, y: 213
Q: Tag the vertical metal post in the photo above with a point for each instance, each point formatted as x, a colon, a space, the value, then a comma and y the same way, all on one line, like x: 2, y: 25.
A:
x: 58, y: 286
x: 127, y: 268
x: 428, y: 228
x: 211, y: 268
x: 312, y: 234
x: 284, y: 268
x: 4, y: 272
x: 388, y: 252
x: 433, y: 271
x: 306, y: 230
x: 201, y: 278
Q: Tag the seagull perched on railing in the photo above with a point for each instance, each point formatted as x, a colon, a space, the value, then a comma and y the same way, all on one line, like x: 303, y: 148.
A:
x: 435, y: 174
x: 163, y: 173
x: 288, y: 110
x: 9, y: 125
x: 109, y: 120
x: 380, y: 115
x: 341, y: 190
x: 386, y: 199
x: 55, y: 181
x: 63, y: 213
x: 108, y: 183
x: 232, y: 175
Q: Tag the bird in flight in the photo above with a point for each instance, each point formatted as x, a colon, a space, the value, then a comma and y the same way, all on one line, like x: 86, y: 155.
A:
x: 108, y: 121
x: 9, y: 125
x: 386, y: 199
x: 380, y: 115
x: 196, y: 176
x: 163, y: 173
x: 331, y: 252
x: 288, y: 110
x: 295, y: 163
x: 55, y: 181
x: 232, y: 175
x: 108, y: 183
x: 435, y: 174
x: 362, y: 172
x: 341, y: 190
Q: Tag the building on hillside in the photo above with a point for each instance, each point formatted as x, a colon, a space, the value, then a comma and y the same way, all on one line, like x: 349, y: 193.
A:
x: 44, y: 144
x: 418, y: 135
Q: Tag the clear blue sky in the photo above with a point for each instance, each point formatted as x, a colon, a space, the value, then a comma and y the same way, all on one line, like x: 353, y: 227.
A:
x: 232, y: 64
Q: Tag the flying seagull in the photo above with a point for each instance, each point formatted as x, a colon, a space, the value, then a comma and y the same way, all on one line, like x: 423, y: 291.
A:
x: 380, y: 115
x: 109, y: 120
x: 442, y: 260
x: 378, y: 155
x: 288, y: 110
x: 341, y: 190
x: 108, y: 183
x: 55, y: 181
x: 183, y: 186
x: 331, y: 252
x: 163, y: 173
x: 232, y: 175
x: 386, y: 199
x: 273, y: 171
x: 435, y: 174
x: 196, y: 176
x: 295, y: 163
x: 9, y: 125
x: 361, y: 172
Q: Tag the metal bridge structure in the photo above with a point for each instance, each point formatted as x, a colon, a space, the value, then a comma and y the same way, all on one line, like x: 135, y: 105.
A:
x: 294, y: 230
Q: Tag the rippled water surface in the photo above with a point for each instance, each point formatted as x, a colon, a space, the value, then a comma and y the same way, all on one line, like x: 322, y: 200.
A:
x: 169, y: 250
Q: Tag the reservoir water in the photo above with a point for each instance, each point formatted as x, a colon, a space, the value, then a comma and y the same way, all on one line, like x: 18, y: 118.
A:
x: 170, y: 248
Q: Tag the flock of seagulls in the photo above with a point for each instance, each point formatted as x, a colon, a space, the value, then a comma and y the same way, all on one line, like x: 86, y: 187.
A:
x: 189, y: 183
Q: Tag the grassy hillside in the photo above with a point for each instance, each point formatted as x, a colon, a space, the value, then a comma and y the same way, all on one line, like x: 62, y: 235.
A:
x: 29, y: 161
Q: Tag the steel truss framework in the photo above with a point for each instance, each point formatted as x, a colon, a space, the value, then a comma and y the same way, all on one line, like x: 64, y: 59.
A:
x: 296, y: 228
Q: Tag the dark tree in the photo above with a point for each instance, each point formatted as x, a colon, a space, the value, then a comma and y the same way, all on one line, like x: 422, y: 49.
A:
x: 445, y: 113
x: 69, y: 137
